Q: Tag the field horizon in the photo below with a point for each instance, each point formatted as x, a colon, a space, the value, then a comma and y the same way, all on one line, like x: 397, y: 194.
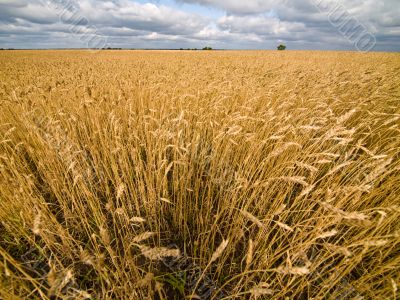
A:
x: 96, y: 50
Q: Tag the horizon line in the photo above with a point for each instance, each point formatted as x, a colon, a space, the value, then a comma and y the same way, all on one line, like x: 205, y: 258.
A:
x: 192, y: 49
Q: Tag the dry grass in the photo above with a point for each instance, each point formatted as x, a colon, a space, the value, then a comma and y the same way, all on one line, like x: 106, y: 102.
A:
x: 276, y: 174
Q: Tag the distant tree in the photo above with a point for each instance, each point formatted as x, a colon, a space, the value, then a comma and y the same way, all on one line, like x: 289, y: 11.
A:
x: 207, y: 48
x: 111, y: 48
x: 281, y: 47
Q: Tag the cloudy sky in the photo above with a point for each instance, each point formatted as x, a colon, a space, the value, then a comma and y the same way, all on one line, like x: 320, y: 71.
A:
x: 227, y: 24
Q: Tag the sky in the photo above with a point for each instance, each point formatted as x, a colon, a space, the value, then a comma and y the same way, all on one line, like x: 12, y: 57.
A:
x: 359, y: 25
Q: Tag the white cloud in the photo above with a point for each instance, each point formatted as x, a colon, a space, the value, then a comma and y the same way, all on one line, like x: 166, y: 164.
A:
x: 259, y: 24
x: 239, y: 6
x: 250, y: 23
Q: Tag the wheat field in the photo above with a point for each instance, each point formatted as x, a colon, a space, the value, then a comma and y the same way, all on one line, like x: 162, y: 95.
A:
x: 199, y: 175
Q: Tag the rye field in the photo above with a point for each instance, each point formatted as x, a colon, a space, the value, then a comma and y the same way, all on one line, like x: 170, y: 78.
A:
x: 199, y: 175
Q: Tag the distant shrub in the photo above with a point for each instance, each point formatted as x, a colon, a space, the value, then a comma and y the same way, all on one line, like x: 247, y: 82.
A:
x: 281, y: 47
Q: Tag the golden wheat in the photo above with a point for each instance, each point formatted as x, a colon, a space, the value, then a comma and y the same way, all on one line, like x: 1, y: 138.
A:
x: 211, y: 175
